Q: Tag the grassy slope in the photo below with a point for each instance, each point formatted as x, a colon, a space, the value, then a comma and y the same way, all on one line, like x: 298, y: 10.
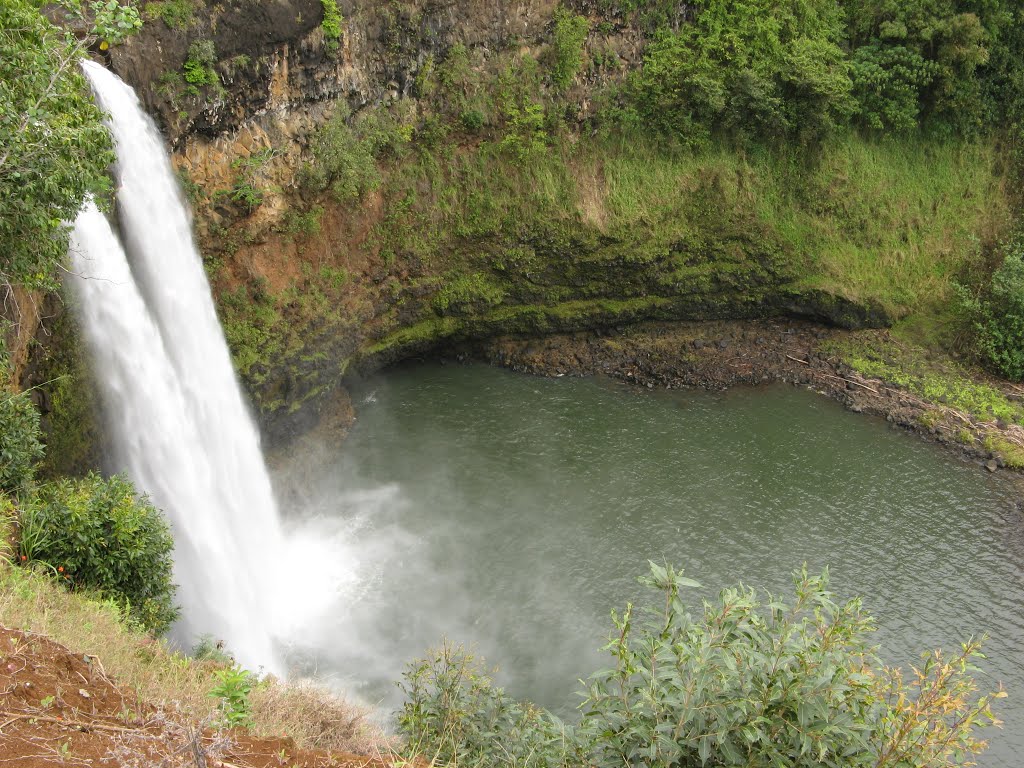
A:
x: 463, y: 239
x: 894, y: 221
x: 31, y: 601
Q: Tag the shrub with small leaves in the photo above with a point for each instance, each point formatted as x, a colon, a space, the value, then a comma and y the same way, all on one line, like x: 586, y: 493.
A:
x: 331, y: 25
x: 739, y: 683
x: 202, y: 55
x: 99, y: 534
x: 20, y: 448
x: 457, y: 716
x: 343, y: 161
x: 569, y: 36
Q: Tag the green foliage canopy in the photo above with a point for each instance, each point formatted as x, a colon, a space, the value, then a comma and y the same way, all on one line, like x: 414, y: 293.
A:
x: 54, y: 150
x: 749, y: 67
x: 930, y: 56
x: 799, y: 68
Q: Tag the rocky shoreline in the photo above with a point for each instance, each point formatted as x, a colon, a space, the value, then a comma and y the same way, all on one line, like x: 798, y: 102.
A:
x: 718, y: 355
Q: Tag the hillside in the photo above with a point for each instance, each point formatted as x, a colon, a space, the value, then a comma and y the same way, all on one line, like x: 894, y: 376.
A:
x: 431, y: 175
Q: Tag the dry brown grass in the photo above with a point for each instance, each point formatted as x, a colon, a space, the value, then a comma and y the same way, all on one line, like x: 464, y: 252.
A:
x: 316, y: 719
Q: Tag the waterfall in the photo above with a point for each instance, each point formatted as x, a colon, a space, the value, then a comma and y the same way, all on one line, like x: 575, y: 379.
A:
x: 178, y: 421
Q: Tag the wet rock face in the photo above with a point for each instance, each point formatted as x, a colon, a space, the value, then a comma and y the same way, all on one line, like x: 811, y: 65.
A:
x: 153, y: 61
x: 273, y: 55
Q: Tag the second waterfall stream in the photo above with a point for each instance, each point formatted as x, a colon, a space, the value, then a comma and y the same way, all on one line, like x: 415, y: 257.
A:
x: 179, y: 425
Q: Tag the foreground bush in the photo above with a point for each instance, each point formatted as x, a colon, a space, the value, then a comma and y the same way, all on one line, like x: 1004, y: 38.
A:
x: 97, y: 533
x: 20, y: 446
x: 740, y: 684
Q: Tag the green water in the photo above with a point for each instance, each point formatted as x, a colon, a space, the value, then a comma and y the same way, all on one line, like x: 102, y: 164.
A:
x: 513, y: 513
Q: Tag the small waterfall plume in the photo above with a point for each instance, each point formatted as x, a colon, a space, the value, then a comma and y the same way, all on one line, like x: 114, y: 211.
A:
x: 180, y: 426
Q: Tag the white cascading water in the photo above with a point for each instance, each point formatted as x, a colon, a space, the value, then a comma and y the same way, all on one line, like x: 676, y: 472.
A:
x: 179, y: 424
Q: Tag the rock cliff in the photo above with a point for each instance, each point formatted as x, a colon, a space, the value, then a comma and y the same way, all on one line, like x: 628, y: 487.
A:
x: 469, y: 191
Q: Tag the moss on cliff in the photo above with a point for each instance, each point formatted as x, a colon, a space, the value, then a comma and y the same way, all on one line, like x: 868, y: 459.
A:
x: 473, y: 198
x: 463, y: 240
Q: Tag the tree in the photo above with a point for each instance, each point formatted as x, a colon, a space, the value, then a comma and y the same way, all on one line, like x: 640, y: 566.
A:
x: 758, y: 69
x: 54, y: 149
x: 926, y: 56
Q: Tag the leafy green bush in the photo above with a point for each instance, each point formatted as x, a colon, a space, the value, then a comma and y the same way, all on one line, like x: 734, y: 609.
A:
x: 522, y: 108
x: 997, y: 316
x: 250, y: 184
x: 472, y: 120
x: 176, y: 14
x: 305, y: 223
x: 233, y: 688
x: 112, y: 21
x: 199, y: 71
x: 457, y: 716
x: 331, y: 25
x: 342, y: 161
x: 97, y: 533
x: 20, y: 448
x: 740, y: 684
x: 570, y: 34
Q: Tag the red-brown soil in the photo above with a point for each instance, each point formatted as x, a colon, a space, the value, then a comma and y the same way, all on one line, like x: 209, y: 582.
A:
x: 60, y: 708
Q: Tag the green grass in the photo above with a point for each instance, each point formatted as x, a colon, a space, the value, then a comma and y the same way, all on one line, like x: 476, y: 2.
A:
x: 936, y: 381
x: 1011, y: 453
x: 892, y: 221
x: 895, y: 222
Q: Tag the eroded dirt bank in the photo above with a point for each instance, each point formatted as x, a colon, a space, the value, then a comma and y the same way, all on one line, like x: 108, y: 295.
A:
x: 60, y: 708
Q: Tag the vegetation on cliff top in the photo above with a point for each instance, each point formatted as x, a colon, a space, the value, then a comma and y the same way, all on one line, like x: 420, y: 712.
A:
x: 861, y: 152
x: 54, y: 150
